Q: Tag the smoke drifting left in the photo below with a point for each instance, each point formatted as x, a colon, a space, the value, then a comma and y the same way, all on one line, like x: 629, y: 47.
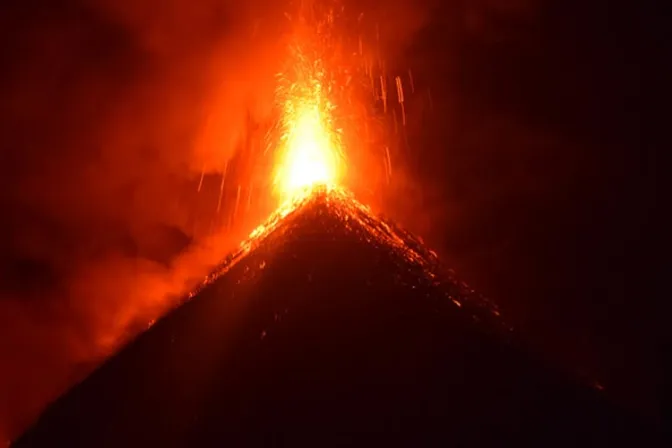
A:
x: 103, y: 113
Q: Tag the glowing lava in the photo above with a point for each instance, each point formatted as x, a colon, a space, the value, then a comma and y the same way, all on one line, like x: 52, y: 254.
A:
x: 310, y: 152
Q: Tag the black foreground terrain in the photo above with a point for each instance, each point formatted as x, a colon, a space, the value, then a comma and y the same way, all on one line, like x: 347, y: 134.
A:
x: 331, y: 328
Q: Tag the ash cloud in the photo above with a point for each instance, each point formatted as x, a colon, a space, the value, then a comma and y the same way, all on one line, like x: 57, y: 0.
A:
x: 111, y: 111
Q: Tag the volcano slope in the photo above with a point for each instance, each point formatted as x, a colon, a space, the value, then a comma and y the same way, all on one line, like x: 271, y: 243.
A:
x: 330, y: 327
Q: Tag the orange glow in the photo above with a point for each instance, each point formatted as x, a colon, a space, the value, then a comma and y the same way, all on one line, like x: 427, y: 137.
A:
x: 310, y: 153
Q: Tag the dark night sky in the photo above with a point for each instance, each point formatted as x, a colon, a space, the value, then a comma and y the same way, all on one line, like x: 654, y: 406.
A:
x: 534, y: 176
x: 542, y: 180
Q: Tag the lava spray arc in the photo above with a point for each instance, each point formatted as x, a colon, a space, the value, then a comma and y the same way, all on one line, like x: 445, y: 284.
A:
x: 327, y: 125
x: 310, y: 152
x: 317, y: 144
x: 330, y: 131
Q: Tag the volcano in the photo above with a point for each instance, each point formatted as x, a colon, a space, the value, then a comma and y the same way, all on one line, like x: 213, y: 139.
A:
x: 331, y: 326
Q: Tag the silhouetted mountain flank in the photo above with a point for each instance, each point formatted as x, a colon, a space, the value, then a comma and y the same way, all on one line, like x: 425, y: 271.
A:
x: 331, y: 327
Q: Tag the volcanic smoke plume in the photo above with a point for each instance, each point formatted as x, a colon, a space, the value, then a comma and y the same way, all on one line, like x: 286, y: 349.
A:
x: 126, y: 127
x: 104, y: 119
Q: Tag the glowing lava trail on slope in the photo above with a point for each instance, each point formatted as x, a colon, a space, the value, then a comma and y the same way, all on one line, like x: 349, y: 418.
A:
x: 309, y: 172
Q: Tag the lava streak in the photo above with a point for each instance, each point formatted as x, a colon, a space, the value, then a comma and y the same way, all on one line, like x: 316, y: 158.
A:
x: 310, y: 151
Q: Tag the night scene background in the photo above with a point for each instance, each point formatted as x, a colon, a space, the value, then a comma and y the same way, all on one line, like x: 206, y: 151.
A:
x: 527, y: 162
